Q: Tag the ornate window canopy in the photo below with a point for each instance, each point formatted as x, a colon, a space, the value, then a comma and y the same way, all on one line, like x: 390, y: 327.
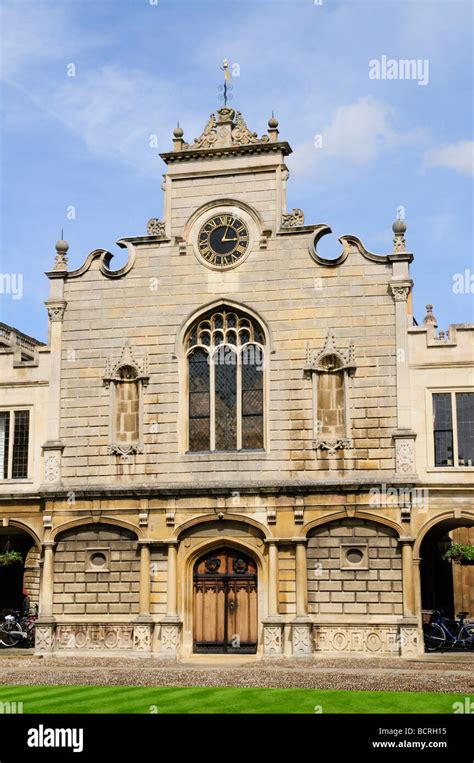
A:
x: 137, y: 368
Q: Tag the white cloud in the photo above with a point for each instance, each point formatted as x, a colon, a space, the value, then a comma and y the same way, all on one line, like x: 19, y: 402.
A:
x: 36, y: 33
x: 456, y: 156
x: 355, y: 137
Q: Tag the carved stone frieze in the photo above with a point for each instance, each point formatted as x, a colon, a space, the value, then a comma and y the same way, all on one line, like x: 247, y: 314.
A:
x: 293, y: 219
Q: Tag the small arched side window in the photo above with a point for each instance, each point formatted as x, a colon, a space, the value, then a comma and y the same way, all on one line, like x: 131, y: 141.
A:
x: 225, y: 357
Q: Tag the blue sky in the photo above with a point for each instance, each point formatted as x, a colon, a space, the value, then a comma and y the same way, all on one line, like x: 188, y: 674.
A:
x: 84, y: 141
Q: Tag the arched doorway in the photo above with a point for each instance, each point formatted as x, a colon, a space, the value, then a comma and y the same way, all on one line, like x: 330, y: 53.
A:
x: 444, y: 584
x: 225, y: 602
x: 20, y: 576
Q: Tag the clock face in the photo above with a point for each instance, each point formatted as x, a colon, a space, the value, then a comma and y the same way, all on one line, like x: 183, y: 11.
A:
x: 223, y: 240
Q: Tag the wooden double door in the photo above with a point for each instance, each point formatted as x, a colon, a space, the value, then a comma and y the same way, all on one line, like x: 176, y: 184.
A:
x: 225, y: 603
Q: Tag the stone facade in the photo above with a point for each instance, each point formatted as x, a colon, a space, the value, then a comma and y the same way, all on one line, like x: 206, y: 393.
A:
x: 121, y: 506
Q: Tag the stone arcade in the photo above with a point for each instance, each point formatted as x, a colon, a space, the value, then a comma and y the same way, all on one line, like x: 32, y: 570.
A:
x: 222, y: 446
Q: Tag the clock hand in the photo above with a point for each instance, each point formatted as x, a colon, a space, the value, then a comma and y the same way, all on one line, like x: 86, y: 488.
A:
x: 224, y: 239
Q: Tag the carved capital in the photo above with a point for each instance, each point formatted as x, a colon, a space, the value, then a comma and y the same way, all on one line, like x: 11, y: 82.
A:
x: 400, y: 292
x: 56, y: 311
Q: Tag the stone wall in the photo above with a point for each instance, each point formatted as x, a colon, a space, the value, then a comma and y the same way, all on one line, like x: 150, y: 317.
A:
x: 339, y: 586
x: 79, y: 590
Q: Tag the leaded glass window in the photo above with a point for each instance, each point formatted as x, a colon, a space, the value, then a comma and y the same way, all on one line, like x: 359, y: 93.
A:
x: 14, y: 444
x: 225, y: 356
x: 453, y: 428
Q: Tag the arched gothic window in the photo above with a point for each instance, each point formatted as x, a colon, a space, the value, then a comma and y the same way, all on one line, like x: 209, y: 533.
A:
x: 225, y: 354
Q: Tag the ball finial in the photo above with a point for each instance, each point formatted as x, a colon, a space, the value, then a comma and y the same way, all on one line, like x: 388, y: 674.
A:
x: 62, y: 246
x: 178, y: 131
x: 273, y: 122
x: 399, y: 227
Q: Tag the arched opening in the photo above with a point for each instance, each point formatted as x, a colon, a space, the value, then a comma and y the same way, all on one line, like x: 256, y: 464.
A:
x: 19, y: 580
x: 225, y: 602
x: 445, y: 584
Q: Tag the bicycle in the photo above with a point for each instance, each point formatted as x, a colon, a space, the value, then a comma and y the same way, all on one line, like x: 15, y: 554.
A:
x: 442, y: 632
x: 14, y: 629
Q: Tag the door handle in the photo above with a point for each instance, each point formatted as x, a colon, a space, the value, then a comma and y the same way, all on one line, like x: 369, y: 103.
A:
x: 232, y: 605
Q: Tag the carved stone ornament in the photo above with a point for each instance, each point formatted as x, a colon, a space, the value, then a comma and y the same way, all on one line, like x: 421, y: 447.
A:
x: 405, y: 456
x: 293, y: 219
x: 142, y: 638
x: 94, y: 637
x: 301, y: 640
x: 400, y: 293
x: 170, y: 638
x: 124, y: 450
x: 56, y: 311
x: 409, y: 642
x: 126, y: 358
x: 357, y: 639
x: 226, y: 127
x: 52, y: 465
x: 44, y: 638
x: 332, y: 446
x: 155, y: 227
x: 315, y: 359
x: 272, y: 639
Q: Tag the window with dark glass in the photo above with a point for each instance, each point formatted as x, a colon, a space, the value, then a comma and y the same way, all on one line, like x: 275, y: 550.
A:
x: 453, y: 428
x: 14, y: 440
x: 443, y: 429
x: 225, y: 355
x: 465, y: 426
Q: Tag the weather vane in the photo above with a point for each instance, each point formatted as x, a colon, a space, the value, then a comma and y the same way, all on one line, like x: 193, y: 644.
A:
x: 227, y: 78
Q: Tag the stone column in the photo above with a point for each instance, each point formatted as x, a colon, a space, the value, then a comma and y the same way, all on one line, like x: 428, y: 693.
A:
x: 301, y: 626
x: 171, y: 624
x: 172, y: 584
x: 272, y: 579
x: 273, y: 624
x: 409, y: 632
x: 407, y: 573
x: 45, y: 624
x: 145, y: 580
x: 143, y: 625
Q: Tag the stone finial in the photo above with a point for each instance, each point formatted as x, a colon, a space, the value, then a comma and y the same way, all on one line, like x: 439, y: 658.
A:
x: 273, y: 128
x: 178, y: 140
x: 399, y: 228
x: 429, y: 319
x: 61, y: 261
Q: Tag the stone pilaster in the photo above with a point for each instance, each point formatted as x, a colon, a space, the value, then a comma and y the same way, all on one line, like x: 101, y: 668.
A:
x: 301, y: 626
x: 171, y: 624
x: 46, y: 622
x: 56, y: 307
x: 273, y: 625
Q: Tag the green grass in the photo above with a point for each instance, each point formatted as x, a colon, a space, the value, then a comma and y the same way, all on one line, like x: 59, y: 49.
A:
x: 139, y: 699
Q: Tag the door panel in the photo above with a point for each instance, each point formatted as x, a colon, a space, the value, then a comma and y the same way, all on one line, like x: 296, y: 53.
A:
x: 225, y: 602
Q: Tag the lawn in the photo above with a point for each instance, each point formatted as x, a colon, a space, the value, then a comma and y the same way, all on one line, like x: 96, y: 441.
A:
x: 139, y: 699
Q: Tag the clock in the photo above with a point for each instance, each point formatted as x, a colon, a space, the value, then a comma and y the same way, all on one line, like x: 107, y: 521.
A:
x: 223, y: 240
